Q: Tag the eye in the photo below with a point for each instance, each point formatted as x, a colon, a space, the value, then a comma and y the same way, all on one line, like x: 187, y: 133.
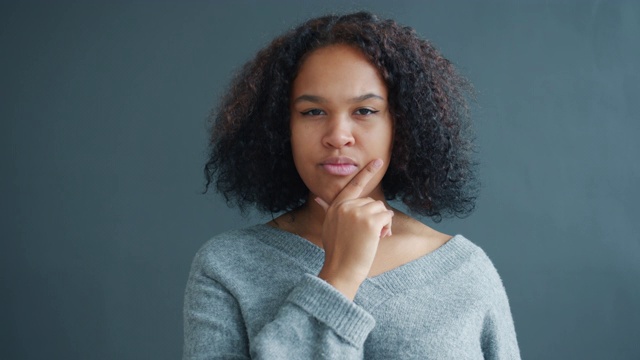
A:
x: 312, y: 112
x: 366, y: 111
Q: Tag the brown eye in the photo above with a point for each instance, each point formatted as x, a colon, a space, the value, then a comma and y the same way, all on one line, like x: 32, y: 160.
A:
x: 365, y: 111
x: 313, y: 112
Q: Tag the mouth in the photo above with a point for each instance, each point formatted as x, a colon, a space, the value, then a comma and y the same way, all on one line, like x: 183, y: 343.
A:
x: 340, y: 166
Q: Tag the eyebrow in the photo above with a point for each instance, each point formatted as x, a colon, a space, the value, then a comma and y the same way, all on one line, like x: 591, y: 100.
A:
x: 321, y: 100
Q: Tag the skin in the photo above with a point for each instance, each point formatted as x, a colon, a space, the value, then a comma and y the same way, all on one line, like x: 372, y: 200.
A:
x: 339, y: 100
x: 339, y: 109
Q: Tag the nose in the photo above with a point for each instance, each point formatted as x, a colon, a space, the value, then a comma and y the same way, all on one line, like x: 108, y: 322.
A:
x: 338, y: 133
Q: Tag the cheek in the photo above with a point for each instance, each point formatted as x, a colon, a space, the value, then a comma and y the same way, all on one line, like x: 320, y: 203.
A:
x: 380, y: 142
x: 390, y: 138
x: 296, y: 145
x: 299, y: 149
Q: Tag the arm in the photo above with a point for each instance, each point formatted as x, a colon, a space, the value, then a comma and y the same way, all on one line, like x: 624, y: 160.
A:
x: 498, y: 332
x: 318, y: 319
x: 351, y: 232
x: 315, y: 321
x: 213, y: 324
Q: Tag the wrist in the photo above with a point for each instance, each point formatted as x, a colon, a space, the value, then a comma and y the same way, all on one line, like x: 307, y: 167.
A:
x: 347, y: 284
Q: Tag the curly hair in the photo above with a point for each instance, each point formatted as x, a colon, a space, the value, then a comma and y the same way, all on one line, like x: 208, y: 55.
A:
x: 431, y: 168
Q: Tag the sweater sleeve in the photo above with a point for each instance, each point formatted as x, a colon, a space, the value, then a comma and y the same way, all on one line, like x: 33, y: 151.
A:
x: 499, y: 340
x: 314, y: 322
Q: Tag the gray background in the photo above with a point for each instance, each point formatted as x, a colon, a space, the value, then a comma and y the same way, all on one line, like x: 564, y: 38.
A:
x: 103, y: 109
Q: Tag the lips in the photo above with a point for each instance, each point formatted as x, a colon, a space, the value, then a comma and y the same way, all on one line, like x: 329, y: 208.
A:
x: 339, y: 166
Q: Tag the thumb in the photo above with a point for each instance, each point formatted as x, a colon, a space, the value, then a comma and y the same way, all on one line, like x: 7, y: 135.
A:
x: 322, y: 203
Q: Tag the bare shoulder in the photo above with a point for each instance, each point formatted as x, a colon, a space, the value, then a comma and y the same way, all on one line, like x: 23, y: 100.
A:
x: 411, y: 240
x: 294, y: 222
x: 419, y: 234
x: 284, y: 222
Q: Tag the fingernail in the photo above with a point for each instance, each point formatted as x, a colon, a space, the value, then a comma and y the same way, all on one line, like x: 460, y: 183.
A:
x: 377, y: 163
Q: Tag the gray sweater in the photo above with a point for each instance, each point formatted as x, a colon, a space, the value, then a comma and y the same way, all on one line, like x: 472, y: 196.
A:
x: 253, y: 293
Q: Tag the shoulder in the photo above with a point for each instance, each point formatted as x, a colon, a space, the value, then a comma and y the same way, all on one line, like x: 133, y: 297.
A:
x: 231, y: 239
x: 257, y: 248
x: 229, y: 248
x: 479, y: 271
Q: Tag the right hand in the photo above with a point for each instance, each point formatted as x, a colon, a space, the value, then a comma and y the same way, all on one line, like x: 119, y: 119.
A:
x: 351, y: 232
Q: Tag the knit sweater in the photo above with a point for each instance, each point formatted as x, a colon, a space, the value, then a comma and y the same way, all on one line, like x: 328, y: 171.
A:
x: 254, y: 293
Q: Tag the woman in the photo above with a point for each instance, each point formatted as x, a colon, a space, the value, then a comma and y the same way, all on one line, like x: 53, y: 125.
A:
x: 327, y: 123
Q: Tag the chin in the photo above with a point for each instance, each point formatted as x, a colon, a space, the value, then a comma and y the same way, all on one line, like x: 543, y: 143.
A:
x: 327, y: 196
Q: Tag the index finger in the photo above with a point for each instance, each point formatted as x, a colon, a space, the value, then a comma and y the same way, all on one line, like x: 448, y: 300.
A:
x: 355, y: 187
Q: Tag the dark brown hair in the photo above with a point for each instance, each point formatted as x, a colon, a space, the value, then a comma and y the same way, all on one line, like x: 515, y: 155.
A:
x: 431, y: 168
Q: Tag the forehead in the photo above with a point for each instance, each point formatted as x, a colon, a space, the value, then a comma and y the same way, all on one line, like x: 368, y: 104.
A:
x: 338, y: 71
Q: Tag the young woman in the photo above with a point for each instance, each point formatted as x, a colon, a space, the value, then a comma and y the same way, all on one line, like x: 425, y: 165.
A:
x: 326, y: 124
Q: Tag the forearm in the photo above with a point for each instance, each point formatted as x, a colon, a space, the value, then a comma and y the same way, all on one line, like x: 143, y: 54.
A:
x: 314, y: 320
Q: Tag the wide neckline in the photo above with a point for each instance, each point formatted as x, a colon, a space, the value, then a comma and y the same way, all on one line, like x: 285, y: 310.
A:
x: 415, y: 273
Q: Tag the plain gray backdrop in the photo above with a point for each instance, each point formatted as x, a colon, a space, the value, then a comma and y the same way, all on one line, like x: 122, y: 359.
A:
x: 103, y: 109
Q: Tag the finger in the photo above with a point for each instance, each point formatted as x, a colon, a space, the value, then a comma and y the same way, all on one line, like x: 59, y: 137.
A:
x: 386, y: 230
x: 357, y: 202
x: 365, y: 202
x: 364, y: 206
x: 322, y: 203
x: 383, y: 218
x: 373, y: 208
x: 355, y: 187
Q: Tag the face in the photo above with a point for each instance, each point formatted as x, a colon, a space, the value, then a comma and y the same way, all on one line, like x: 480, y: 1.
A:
x: 340, y: 121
